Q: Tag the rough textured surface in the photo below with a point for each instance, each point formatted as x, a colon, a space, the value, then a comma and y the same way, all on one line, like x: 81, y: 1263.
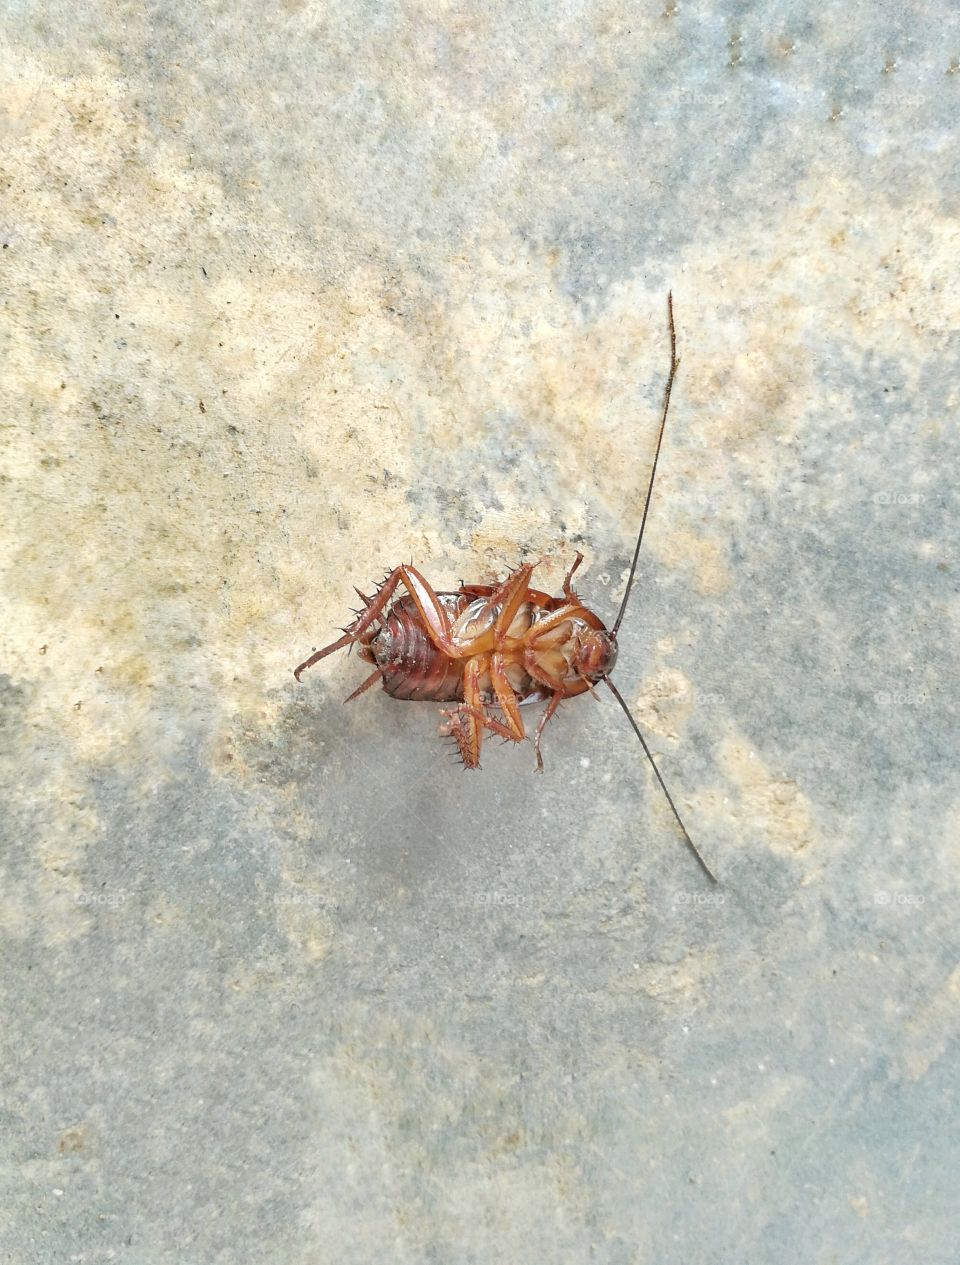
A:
x: 292, y: 293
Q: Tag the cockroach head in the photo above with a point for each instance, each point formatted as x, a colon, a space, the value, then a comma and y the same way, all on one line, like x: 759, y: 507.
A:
x: 596, y: 654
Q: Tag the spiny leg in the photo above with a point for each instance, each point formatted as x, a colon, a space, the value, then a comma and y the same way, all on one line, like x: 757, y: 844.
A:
x: 512, y: 726
x: 427, y: 602
x: 464, y: 723
x: 359, y: 625
x: 372, y: 679
x: 541, y: 726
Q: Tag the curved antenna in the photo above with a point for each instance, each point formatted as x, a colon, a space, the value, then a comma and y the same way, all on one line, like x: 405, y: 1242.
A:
x: 674, y: 366
x: 643, y: 742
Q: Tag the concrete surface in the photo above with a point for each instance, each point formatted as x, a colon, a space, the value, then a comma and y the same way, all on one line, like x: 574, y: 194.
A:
x: 294, y: 292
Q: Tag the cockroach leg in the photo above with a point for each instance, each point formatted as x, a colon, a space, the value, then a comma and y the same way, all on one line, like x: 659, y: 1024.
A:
x: 510, y: 728
x: 549, y: 711
x: 360, y: 624
x: 548, y: 682
x: 506, y: 698
x: 510, y: 597
x: 466, y: 725
x: 428, y: 605
x: 484, y: 625
x: 469, y: 720
x: 372, y: 679
x: 591, y: 689
x: 511, y: 594
x: 490, y: 722
x: 549, y: 622
x: 473, y: 703
x: 568, y: 592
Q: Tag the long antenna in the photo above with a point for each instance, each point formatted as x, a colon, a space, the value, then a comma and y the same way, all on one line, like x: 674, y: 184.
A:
x: 643, y: 742
x: 674, y: 366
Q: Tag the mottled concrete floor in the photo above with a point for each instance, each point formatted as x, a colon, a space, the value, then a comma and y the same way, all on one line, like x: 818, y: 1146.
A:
x: 293, y: 293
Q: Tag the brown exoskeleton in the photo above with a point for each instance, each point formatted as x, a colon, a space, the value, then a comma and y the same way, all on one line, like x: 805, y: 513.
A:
x: 497, y: 647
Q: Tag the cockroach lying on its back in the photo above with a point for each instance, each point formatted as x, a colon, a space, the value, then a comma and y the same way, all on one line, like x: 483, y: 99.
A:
x: 499, y: 647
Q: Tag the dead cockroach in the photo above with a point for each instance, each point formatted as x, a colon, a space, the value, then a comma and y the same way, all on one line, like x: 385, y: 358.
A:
x: 496, y: 646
